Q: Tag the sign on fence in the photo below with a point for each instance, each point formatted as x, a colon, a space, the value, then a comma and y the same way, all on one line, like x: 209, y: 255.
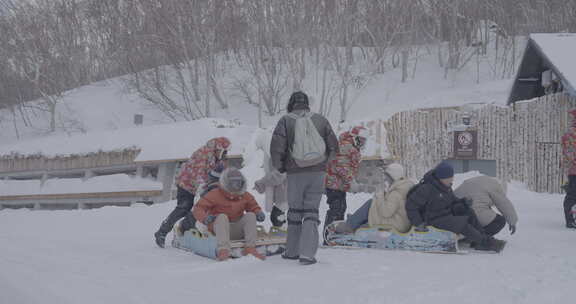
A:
x: 465, y: 145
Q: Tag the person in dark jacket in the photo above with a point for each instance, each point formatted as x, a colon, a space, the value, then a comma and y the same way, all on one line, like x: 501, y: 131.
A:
x: 305, y: 184
x: 432, y: 202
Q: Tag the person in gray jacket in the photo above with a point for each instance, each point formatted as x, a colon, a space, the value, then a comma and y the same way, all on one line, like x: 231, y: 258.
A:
x: 486, y: 192
x: 305, y: 184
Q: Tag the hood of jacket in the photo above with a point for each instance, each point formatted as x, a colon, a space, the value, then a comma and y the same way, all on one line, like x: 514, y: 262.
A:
x: 227, y: 179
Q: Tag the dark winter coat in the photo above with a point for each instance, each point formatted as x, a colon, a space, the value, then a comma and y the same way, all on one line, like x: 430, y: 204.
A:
x: 283, y: 139
x: 435, y: 204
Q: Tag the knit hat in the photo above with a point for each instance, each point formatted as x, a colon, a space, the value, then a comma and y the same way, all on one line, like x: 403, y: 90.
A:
x: 444, y: 170
x: 298, y: 101
x: 395, y: 171
x: 359, y: 131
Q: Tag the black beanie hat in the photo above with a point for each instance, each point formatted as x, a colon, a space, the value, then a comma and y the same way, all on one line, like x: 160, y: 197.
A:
x: 298, y: 101
x: 444, y: 170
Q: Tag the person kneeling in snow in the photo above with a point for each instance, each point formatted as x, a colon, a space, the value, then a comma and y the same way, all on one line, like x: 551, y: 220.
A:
x: 384, y: 209
x: 433, y: 202
x: 487, y: 192
x: 231, y: 213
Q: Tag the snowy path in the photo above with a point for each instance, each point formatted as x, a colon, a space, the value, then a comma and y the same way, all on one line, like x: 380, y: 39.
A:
x: 108, y: 256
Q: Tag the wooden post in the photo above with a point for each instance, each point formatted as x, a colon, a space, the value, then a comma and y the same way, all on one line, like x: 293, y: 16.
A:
x: 87, y: 175
x: 166, y: 173
x: 44, y: 178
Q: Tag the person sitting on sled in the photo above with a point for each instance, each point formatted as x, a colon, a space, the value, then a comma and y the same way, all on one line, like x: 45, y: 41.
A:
x: 211, y: 183
x: 432, y: 202
x: 230, y: 212
x: 487, y: 192
x: 384, y: 209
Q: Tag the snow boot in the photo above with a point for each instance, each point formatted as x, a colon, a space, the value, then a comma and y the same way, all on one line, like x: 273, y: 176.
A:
x: 160, y: 239
x: 571, y: 225
x: 490, y: 244
x: 286, y: 257
x: 343, y: 228
x: 223, y: 254
x: 307, y: 261
x: 252, y: 251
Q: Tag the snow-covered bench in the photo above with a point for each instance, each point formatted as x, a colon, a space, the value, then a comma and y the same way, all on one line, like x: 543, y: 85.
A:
x: 72, y: 193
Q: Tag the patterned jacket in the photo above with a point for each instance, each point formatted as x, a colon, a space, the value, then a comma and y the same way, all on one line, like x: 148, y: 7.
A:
x: 569, y: 151
x: 344, y: 167
x: 195, y: 171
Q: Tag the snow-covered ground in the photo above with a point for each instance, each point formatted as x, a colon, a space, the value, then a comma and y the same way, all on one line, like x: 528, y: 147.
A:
x: 108, y: 256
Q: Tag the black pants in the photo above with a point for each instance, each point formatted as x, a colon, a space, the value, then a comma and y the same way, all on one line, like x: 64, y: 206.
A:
x: 495, y: 225
x: 184, y: 203
x: 336, y: 201
x: 570, y: 199
x: 463, y: 221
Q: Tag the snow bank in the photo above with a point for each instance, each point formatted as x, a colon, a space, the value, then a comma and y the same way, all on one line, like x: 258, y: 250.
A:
x: 106, y: 183
x: 160, y: 142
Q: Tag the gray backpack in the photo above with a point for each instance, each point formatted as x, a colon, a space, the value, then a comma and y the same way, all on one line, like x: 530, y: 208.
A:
x: 308, y: 148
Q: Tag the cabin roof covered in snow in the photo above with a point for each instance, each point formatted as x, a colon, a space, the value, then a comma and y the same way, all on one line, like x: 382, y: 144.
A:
x: 554, y: 51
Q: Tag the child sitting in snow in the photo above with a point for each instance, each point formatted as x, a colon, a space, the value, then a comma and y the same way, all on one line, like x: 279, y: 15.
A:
x: 231, y: 213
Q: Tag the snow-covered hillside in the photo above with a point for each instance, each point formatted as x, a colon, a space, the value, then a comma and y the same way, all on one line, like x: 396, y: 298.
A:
x: 108, y: 256
x: 108, y: 105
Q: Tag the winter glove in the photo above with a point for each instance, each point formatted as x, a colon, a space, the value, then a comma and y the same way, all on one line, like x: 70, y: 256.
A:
x: 467, y: 201
x: 259, y: 186
x: 260, y: 216
x: 512, y: 228
x: 209, y: 219
x: 421, y: 228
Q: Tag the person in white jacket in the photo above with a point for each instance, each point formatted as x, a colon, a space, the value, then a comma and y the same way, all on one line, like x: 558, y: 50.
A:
x: 384, y: 209
x: 273, y: 184
x: 486, y: 194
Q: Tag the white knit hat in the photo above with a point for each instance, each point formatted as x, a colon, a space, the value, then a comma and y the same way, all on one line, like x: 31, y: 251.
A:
x: 395, y: 170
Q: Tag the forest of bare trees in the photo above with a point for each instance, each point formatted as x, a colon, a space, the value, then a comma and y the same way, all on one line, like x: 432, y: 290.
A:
x: 176, y: 53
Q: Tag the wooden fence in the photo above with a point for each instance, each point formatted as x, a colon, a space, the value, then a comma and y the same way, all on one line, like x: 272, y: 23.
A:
x: 523, y: 139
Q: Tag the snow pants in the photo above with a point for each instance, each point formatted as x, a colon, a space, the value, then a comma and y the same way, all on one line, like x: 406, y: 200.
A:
x: 304, y: 194
x: 244, y: 228
x: 570, y: 199
x: 184, y: 203
x: 336, y: 201
x: 463, y: 222
x: 495, y: 225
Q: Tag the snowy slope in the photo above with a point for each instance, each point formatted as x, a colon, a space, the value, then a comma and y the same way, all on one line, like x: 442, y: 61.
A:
x: 107, y: 105
x: 108, y: 256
